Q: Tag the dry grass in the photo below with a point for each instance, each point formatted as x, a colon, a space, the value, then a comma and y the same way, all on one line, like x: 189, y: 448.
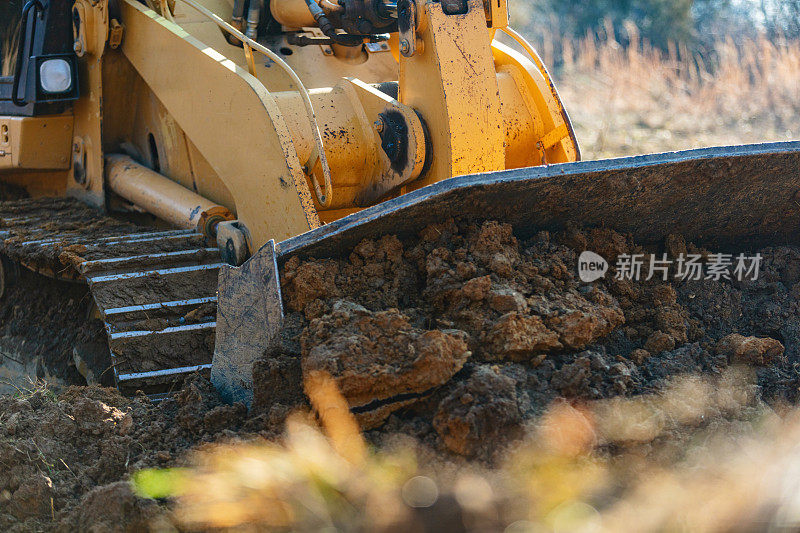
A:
x: 637, y: 99
x: 8, y: 52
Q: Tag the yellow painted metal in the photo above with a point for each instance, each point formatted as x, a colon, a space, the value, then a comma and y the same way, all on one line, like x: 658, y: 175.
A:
x: 232, y: 120
x: 166, y: 10
x: 554, y: 136
x: 220, y: 120
x: 496, y: 13
x: 542, y: 103
x: 40, y: 143
x: 91, y: 35
x: 318, y: 158
x: 549, y: 93
x: 348, y: 143
x: 486, y: 107
x: 316, y: 69
x: 37, y: 183
x: 91, y: 26
x: 391, y: 175
x: 251, y: 60
x: 115, y: 33
x: 292, y: 13
x: 137, y: 123
x: 347, y: 113
x: 522, y: 124
x: 162, y: 197
x: 452, y: 83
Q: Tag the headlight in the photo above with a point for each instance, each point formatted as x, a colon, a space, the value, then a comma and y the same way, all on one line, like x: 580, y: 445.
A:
x: 55, y: 76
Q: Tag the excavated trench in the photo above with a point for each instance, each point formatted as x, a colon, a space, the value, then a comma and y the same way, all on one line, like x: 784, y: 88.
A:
x: 47, y: 331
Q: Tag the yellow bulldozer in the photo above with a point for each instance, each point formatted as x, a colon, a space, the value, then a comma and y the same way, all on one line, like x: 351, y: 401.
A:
x: 174, y: 153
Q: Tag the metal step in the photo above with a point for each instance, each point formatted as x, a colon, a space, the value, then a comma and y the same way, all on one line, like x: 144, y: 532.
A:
x: 172, y: 347
x: 160, y: 306
x: 110, y: 239
x: 145, y: 260
x: 160, y: 383
x: 147, y: 302
x: 154, y: 286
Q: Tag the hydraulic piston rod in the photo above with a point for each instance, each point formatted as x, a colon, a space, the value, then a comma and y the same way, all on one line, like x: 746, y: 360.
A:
x: 162, y: 197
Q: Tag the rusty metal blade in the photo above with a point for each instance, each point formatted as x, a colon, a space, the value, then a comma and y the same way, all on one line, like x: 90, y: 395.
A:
x: 734, y: 195
x: 249, y: 316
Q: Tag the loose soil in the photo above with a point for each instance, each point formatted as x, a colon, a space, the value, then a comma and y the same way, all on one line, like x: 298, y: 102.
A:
x: 460, y: 337
x: 533, y: 331
x: 64, y: 454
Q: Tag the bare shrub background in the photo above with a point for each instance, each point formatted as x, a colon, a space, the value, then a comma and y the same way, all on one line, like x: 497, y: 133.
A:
x: 9, y: 35
x: 626, y: 96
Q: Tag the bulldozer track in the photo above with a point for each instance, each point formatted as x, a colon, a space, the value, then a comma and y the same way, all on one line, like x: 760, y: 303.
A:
x: 155, y: 290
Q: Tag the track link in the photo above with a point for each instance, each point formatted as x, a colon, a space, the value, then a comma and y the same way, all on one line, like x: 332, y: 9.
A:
x: 155, y: 290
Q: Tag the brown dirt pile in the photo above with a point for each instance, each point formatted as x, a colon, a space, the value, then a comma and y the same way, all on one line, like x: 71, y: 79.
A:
x: 65, y: 456
x: 533, y: 330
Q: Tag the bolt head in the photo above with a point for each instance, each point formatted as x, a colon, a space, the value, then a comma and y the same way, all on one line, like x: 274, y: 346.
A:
x: 380, y: 125
x: 405, y: 46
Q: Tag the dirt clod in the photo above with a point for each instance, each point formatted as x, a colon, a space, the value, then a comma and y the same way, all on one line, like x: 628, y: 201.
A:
x: 460, y: 337
x: 749, y: 350
x: 479, y: 412
x: 658, y: 342
x: 517, y: 337
x: 379, y: 360
x: 33, y: 498
x: 519, y: 306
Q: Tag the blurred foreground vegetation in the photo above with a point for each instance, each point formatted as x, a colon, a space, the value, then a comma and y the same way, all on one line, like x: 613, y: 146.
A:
x: 701, y: 455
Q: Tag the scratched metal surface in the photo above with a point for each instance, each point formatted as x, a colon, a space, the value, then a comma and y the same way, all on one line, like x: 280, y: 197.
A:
x: 741, y: 196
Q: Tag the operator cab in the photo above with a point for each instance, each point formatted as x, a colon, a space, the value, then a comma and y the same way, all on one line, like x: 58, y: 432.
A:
x: 38, y: 71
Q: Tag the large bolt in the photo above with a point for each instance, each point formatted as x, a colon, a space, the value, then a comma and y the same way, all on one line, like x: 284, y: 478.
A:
x: 405, y: 46
x: 380, y: 125
x: 365, y: 27
x: 394, y: 135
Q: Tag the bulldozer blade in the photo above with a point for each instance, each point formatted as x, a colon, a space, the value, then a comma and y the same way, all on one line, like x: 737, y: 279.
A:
x: 720, y: 197
x: 744, y: 195
x: 249, y: 316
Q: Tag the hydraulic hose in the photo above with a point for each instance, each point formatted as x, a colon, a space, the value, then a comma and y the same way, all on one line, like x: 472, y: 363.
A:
x: 328, y: 29
x: 237, y: 17
x: 325, y: 196
x: 253, y: 16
